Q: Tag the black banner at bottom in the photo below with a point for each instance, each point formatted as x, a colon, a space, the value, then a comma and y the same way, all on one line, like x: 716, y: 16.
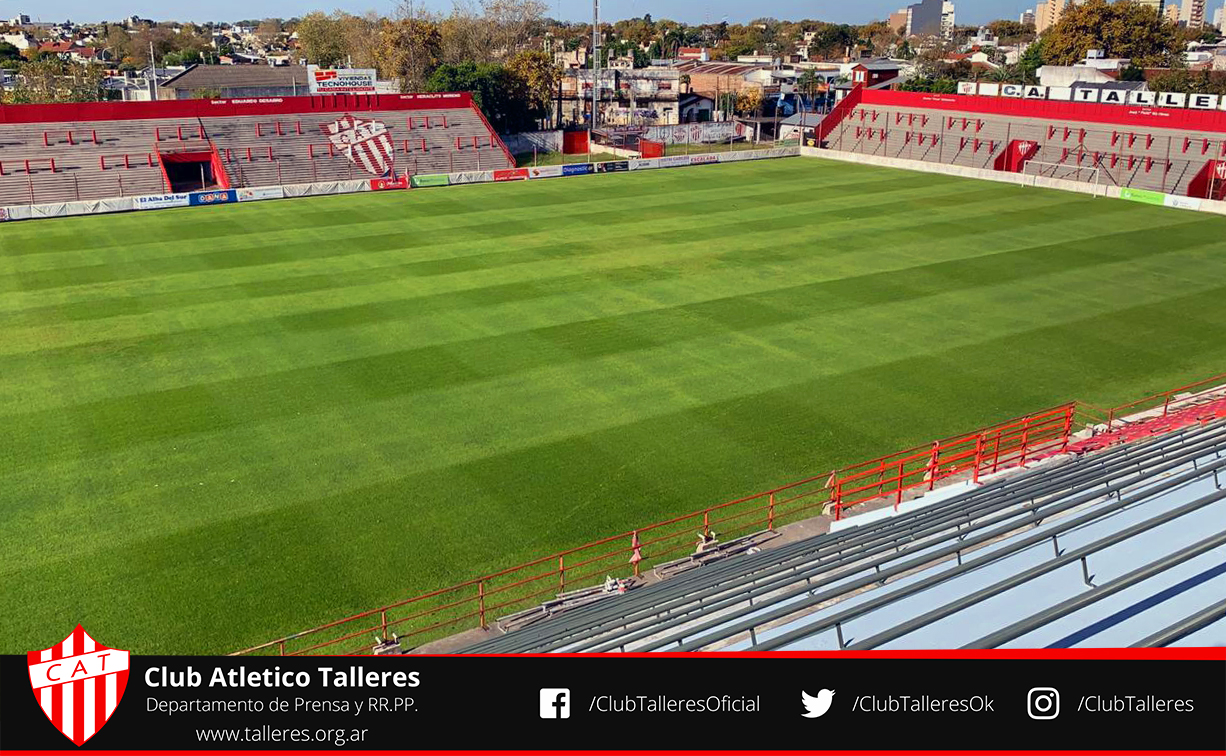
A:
x: 703, y: 702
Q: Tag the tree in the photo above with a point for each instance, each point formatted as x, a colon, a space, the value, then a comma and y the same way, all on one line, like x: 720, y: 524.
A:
x: 831, y: 41
x: 268, y: 31
x: 1031, y: 61
x: 321, y: 39
x: 1200, y: 82
x: 540, y: 76
x: 53, y: 80
x: 409, y: 49
x: 9, y: 53
x: 749, y: 101
x: 501, y: 95
x: 1121, y: 30
x: 1012, y: 32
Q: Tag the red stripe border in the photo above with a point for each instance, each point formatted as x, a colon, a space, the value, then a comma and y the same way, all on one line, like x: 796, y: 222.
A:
x: 636, y: 752
x: 1117, y: 654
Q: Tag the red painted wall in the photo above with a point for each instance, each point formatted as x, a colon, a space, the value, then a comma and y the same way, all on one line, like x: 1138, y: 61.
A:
x: 1054, y: 110
x: 574, y: 142
x: 126, y: 111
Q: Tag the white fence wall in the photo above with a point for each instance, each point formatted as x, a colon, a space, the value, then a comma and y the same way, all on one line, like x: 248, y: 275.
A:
x: 1081, y: 187
x: 541, y: 141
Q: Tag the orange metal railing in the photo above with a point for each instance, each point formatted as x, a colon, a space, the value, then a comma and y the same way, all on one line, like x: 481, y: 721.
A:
x: 480, y: 601
x: 1167, y: 399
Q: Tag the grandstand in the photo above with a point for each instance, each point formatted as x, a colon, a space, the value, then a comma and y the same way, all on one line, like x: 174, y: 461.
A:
x: 1164, y: 150
x: 1120, y: 548
x: 94, y: 151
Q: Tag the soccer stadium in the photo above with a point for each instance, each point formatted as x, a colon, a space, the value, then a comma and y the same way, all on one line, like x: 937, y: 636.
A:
x: 948, y: 373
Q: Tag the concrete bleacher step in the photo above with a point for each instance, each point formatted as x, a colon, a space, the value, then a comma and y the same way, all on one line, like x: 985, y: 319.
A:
x: 1162, y: 160
x: 93, y: 165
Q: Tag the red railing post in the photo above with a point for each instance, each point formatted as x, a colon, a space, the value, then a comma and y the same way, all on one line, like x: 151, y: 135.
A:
x: 978, y: 458
x: 706, y: 522
x: 1166, y: 404
x: 281, y: 646
x: 770, y: 513
x: 561, y: 573
x: 1066, y: 431
x: 1021, y: 460
x: 383, y: 619
x: 898, y: 499
x: 481, y: 603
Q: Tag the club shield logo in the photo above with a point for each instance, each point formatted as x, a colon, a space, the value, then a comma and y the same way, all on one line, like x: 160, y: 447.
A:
x: 364, y: 141
x: 78, y: 682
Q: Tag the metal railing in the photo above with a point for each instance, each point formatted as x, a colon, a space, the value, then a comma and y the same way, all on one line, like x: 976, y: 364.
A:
x: 1168, y: 400
x: 479, y: 602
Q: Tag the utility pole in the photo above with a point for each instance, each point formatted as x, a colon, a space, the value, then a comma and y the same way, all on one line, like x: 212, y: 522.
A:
x: 153, y: 74
x: 595, y: 69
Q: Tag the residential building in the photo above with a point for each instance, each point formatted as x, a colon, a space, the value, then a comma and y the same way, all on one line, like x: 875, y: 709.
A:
x: 1219, y: 18
x: 927, y: 18
x: 20, y: 19
x: 1157, y: 5
x: 1192, y: 14
x: 900, y: 21
x: 1047, y: 14
x: 1027, y: 16
x: 20, y: 40
x: 947, y: 19
x: 236, y: 82
x: 1171, y: 13
x: 571, y: 60
x: 693, y: 53
x: 872, y: 73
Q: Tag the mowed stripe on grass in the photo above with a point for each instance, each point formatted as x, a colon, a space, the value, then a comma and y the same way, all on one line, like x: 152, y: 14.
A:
x: 227, y: 425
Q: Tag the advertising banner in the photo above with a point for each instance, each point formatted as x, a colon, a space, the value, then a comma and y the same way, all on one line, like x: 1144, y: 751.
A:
x: 340, y: 80
x: 511, y: 174
x: 697, y: 133
x: 381, y: 184
x: 676, y: 161
x: 644, y: 163
x: 470, y: 177
x: 1183, y: 203
x: 701, y: 159
x: 154, y: 201
x: 437, y: 179
x: 579, y: 169
x: 260, y: 193
x: 218, y: 197
x: 325, y: 187
x: 545, y: 171
x: 613, y: 166
x: 1143, y: 195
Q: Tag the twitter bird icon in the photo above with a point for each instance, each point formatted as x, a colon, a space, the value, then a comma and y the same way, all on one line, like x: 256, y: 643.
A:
x: 815, y: 706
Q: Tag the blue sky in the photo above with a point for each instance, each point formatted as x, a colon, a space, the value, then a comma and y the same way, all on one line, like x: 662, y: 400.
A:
x: 694, y: 11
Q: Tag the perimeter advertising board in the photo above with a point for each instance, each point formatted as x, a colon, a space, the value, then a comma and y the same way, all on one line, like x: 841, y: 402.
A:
x: 218, y: 197
x: 437, y: 179
x: 156, y: 201
x: 341, y: 80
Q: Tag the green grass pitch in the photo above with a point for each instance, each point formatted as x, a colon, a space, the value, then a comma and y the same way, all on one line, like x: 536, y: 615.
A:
x: 224, y: 425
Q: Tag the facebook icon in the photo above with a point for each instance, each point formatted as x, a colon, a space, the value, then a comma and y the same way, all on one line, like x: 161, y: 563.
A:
x: 555, y: 703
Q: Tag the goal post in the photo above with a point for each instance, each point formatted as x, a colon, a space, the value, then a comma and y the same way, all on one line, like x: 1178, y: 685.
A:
x: 1086, y: 174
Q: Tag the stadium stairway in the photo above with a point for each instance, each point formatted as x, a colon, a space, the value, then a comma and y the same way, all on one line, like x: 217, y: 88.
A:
x: 1121, y: 547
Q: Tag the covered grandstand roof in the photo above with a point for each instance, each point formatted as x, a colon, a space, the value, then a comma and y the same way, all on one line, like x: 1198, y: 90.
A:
x: 1124, y: 547
x: 234, y: 77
